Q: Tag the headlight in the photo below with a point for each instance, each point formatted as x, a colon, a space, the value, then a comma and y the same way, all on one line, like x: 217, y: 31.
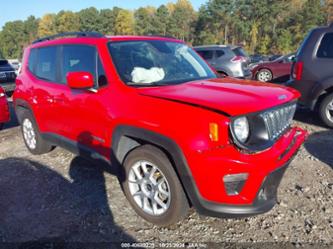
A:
x: 241, y: 129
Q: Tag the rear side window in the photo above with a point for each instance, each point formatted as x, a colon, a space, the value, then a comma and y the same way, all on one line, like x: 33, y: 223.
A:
x: 46, y: 66
x: 207, y: 55
x: 219, y: 53
x: 81, y: 58
x: 32, y: 60
x: 326, y: 47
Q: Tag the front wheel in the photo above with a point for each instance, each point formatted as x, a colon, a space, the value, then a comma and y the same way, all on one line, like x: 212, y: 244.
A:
x: 326, y: 110
x: 264, y: 75
x: 152, y: 186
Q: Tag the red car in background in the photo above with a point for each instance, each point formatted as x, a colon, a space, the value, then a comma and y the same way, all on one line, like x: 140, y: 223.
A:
x: 273, y: 71
x: 4, y: 109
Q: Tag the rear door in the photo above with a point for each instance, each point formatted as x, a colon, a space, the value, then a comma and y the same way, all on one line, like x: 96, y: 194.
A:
x: 47, y: 89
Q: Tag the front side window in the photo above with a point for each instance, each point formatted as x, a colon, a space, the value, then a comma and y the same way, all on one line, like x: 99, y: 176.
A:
x: 81, y: 58
x: 46, y: 66
x: 326, y: 47
x: 157, y: 62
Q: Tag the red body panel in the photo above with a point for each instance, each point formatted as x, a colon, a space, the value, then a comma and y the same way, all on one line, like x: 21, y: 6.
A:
x: 182, y: 113
x: 4, y: 109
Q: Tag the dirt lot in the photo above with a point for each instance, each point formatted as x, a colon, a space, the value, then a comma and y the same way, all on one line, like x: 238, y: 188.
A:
x: 60, y: 197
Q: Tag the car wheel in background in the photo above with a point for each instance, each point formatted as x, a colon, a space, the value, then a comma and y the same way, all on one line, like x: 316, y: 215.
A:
x: 264, y: 75
x: 326, y: 110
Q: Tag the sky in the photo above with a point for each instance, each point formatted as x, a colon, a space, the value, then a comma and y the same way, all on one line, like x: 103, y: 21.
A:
x: 20, y: 9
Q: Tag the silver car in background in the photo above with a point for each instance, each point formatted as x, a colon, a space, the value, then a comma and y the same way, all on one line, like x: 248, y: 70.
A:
x: 227, y: 60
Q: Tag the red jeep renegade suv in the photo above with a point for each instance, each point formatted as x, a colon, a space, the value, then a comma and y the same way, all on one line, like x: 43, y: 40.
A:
x: 152, y: 108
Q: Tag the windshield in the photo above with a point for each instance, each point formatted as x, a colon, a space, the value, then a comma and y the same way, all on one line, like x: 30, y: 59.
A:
x: 157, y: 63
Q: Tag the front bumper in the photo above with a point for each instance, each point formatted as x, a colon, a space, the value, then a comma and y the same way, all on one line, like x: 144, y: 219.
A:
x: 265, y: 200
x: 259, y: 193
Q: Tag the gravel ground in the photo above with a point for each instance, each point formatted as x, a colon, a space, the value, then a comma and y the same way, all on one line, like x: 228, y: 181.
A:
x: 64, y: 198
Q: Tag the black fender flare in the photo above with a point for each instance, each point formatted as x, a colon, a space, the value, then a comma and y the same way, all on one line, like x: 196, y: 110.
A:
x: 167, y: 145
x: 19, y: 106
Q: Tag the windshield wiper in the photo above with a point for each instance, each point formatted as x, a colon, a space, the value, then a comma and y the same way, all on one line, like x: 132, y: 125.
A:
x: 147, y: 84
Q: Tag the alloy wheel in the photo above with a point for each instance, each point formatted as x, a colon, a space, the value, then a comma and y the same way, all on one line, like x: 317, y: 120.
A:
x: 149, y: 188
x: 29, y: 134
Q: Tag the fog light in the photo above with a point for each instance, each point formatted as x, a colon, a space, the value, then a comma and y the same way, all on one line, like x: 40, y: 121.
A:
x: 234, y: 183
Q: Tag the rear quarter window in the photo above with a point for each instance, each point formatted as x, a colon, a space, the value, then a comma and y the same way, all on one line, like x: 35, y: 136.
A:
x: 32, y: 61
x: 219, y: 53
x: 325, y: 49
x: 206, y: 54
x: 46, y: 65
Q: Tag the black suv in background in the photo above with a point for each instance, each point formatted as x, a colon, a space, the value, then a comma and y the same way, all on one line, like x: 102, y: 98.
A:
x: 312, y: 73
x: 7, y: 77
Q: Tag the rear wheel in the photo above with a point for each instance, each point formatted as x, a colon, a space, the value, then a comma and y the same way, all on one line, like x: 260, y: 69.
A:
x: 264, y: 75
x: 326, y: 110
x: 32, y: 137
x: 152, y: 186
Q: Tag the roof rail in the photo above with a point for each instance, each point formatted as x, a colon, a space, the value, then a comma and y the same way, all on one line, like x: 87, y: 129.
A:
x: 162, y: 36
x: 66, y: 34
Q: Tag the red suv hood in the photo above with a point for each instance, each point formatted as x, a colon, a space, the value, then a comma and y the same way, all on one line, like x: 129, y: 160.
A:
x: 228, y: 95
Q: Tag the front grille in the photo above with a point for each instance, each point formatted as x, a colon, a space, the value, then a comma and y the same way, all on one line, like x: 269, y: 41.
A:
x: 278, y: 120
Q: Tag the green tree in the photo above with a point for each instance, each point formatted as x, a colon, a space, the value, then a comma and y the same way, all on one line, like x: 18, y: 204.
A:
x: 12, y: 38
x: 89, y: 20
x: 264, y: 45
x: 284, y: 42
x: 143, y: 21
x: 124, y: 24
x: 47, y: 25
x: 181, y: 20
x: 67, y: 21
x: 161, y: 19
x: 107, y: 20
x: 329, y: 11
x: 31, y: 29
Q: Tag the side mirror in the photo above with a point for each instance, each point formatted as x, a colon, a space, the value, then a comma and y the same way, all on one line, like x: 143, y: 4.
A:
x: 80, y: 80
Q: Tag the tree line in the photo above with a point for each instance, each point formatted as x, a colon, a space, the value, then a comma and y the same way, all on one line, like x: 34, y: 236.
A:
x: 261, y: 26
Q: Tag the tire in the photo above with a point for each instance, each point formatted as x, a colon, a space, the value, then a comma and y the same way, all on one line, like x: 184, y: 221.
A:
x: 326, y: 110
x: 264, y: 75
x: 31, y: 135
x: 1, y: 126
x: 170, y: 192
